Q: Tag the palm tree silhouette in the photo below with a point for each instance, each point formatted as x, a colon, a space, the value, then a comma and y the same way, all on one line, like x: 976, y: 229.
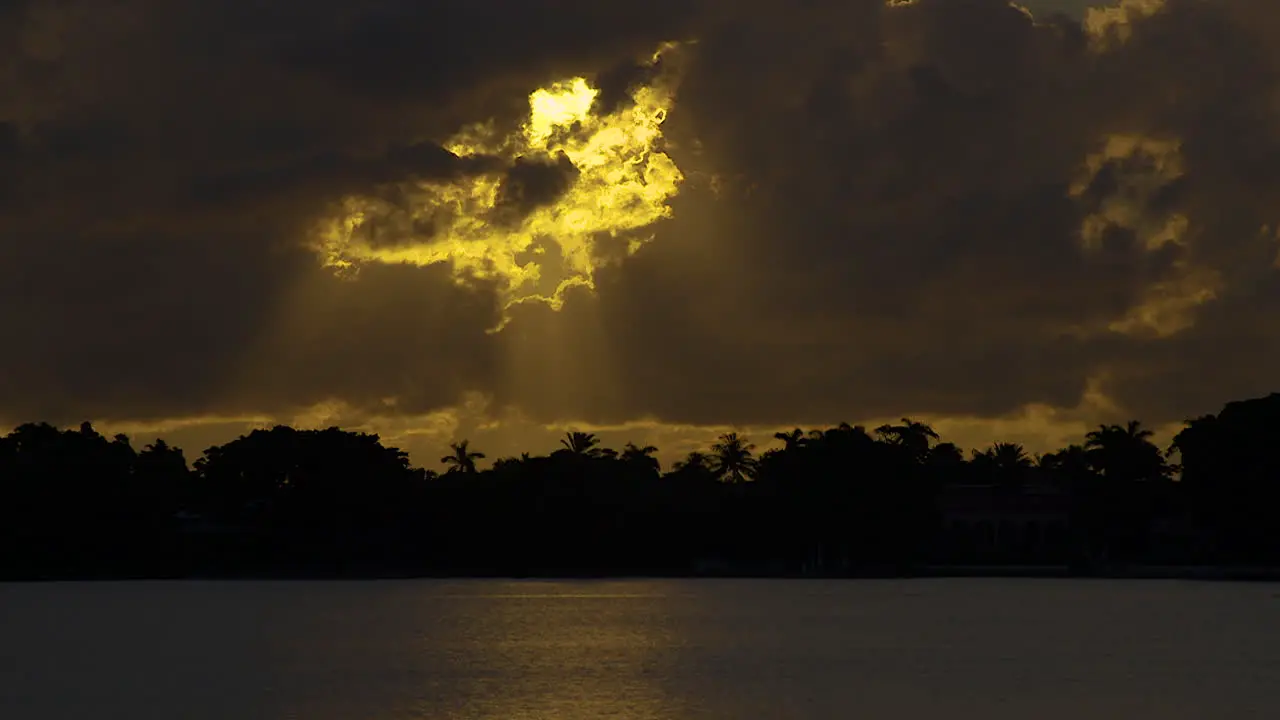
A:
x: 1072, y: 460
x: 694, y: 461
x: 1132, y: 432
x: 1007, y: 463
x: 641, y: 458
x: 463, y: 459
x: 914, y: 436
x: 791, y: 440
x: 583, y: 444
x: 734, y: 458
x: 696, y: 468
x: 1125, y: 452
x: 1010, y: 456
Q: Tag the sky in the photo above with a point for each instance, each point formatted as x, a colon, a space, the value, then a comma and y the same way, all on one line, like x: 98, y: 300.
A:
x: 501, y: 220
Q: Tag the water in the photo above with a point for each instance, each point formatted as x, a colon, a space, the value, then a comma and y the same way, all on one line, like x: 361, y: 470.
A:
x: 640, y: 649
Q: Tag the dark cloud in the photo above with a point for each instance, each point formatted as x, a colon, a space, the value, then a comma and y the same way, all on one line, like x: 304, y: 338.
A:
x: 398, y: 339
x: 616, y: 84
x: 535, y: 182
x: 330, y: 176
x: 899, y: 231
x: 943, y: 208
x: 159, y: 162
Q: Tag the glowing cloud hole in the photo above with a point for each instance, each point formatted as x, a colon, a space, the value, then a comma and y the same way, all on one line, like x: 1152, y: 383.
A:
x: 619, y: 184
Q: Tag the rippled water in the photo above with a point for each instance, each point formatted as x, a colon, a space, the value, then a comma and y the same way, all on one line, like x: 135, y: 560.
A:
x: 640, y: 649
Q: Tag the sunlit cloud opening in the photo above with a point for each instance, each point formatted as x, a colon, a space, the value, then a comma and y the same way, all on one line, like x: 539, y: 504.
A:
x: 609, y: 177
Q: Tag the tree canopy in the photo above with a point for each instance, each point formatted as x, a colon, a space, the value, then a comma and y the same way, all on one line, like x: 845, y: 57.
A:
x: 836, y: 499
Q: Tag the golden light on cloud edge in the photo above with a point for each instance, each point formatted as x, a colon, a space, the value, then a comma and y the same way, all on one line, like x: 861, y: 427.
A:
x: 1110, y: 25
x: 1158, y: 164
x: 1169, y: 306
x: 621, y: 183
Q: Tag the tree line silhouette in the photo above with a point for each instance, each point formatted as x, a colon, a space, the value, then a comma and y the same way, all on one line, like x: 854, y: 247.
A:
x: 841, y: 500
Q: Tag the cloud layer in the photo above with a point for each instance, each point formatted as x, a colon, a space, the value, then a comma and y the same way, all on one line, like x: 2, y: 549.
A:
x: 946, y: 208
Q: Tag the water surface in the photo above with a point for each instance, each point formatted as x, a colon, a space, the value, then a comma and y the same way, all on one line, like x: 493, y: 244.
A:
x: 1042, y: 649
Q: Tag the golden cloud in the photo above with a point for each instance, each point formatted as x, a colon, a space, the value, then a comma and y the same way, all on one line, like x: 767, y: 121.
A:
x: 616, y: 181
